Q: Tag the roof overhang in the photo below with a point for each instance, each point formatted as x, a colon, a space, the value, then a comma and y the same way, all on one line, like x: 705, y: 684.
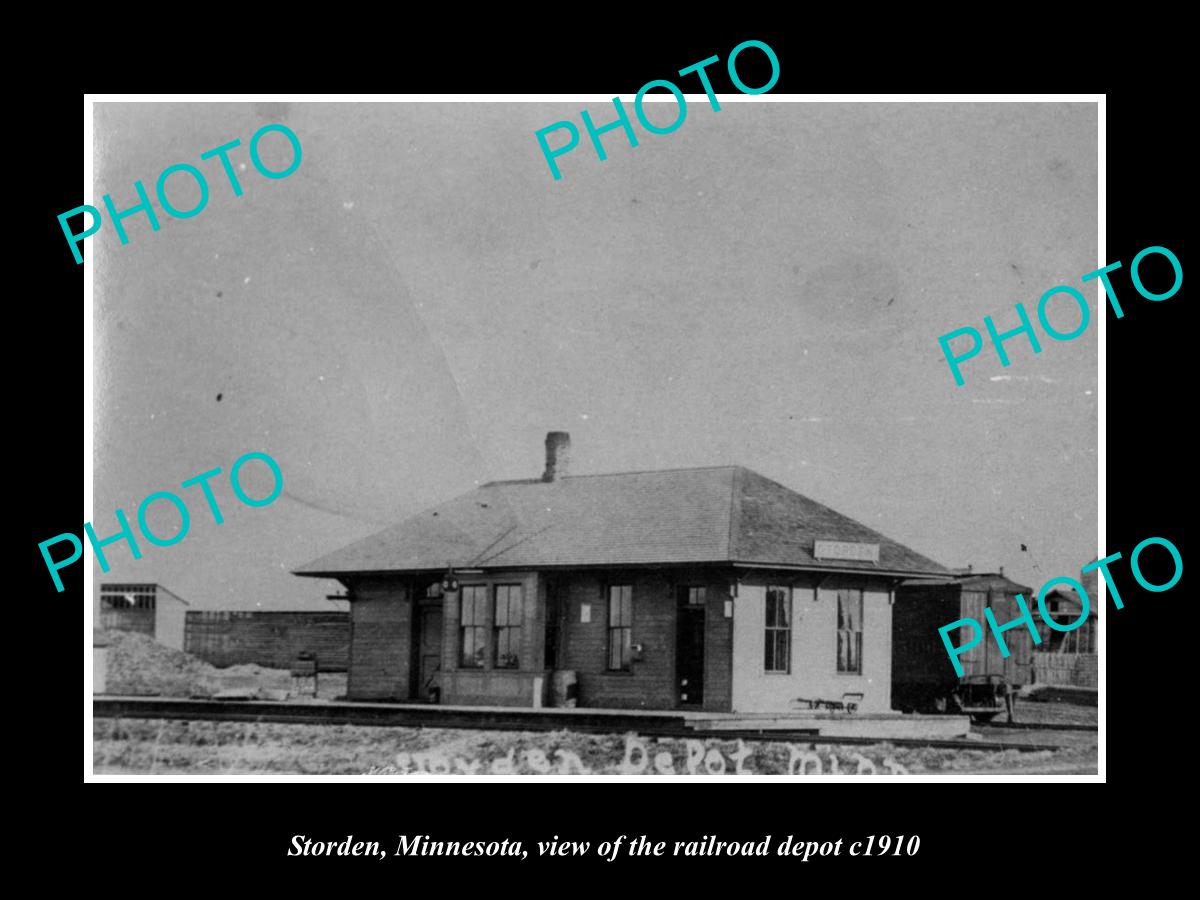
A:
x: 674, y: 564
x: 845, y: 570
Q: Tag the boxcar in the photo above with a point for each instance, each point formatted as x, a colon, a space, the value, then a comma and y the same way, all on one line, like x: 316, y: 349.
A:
x: 922, y: 674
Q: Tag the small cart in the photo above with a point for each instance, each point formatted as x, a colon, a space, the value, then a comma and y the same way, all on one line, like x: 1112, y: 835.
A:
x: 984, y: 697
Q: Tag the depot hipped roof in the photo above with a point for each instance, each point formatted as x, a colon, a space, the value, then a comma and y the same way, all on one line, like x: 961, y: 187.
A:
x: 709, y: 515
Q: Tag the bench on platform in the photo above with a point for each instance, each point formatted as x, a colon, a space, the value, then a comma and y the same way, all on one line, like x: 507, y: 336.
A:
x: 849, y: 703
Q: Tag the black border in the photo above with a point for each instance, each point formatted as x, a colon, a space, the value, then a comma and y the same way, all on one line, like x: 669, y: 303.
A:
x: 967, y: 832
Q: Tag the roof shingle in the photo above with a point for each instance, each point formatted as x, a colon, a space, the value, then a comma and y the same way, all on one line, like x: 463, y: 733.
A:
x: 710, y: 515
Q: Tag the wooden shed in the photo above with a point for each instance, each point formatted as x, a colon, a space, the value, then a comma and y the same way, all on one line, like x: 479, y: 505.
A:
x: 145, y: 608
x: 1069, y: 658
x: 922, y: 673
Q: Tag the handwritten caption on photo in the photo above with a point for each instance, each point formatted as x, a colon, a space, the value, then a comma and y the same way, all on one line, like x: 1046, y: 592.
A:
x: 698, y: 759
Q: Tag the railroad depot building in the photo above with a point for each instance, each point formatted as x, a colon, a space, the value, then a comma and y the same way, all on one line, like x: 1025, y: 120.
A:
x: 711, y: 589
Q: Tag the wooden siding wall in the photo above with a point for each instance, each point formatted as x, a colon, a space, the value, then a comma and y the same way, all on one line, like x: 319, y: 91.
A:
x: 139, y: 620
x: 380, y: 640
x: 650, y: 684
x: 921, y: 668
x: 813, y: 671
x: 985, y: 659
x: 270, y: 639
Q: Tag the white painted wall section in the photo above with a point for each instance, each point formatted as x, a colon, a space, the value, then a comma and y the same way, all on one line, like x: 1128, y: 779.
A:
x: 814, y: 652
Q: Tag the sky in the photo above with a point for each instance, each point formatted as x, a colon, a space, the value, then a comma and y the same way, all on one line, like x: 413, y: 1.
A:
x: 410, y: 312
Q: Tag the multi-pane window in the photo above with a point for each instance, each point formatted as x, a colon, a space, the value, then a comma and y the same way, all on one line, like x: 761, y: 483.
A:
x: 620, y: 627
x: 695, y: 596
x: 507, y: 625
x: 127, y: 596
x: 472, y: 625
x: 777, y: 656
x: 849, y: 630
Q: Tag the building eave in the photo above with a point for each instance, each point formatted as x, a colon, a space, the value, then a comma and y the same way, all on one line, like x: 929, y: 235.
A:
x: 674, y: 564
x: 843, y: 570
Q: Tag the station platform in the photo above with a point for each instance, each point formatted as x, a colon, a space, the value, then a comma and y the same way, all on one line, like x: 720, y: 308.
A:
x: 838, y: 724
x: 680, y: 723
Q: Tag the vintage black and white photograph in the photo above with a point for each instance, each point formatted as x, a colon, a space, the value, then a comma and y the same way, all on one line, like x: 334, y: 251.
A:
x: 478, y: 439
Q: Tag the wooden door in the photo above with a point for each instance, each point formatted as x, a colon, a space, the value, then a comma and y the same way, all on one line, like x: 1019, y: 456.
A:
x: 689, y: 654
x: 429, y: 649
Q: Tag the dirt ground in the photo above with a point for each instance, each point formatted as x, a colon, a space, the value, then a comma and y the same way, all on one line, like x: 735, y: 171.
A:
x: 139, y: 665
x: 1035, y: 725
x: 199, y: 748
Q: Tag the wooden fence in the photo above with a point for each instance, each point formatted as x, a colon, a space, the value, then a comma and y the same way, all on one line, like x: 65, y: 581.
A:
x: 269, y: 639
x: 1071, y: 669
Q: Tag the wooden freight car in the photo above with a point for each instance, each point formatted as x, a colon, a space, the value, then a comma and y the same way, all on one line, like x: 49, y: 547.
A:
x: 923, y: 677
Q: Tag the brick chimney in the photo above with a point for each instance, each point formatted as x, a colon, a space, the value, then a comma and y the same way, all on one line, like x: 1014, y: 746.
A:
x: 558, y: 455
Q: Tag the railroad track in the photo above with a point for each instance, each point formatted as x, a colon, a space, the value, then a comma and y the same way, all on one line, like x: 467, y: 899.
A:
x: 646, y: 725
x: 1039, y: 726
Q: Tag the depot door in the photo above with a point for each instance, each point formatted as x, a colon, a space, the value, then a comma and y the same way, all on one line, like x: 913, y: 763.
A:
x: 689, y: 649
x: 429, y: 650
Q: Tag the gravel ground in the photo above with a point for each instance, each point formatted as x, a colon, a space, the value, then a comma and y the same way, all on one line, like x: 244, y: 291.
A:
x: 139, y: 665
x: 1033, y: 712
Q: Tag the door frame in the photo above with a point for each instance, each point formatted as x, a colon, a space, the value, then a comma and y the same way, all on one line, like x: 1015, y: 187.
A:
x: 424, y: 606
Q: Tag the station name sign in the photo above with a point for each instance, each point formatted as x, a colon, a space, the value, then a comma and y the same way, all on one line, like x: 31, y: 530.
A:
x: 846, y: 550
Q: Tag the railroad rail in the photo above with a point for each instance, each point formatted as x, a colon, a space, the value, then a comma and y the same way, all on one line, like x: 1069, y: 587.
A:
x: 491, y: 719
x: 1040, y: 726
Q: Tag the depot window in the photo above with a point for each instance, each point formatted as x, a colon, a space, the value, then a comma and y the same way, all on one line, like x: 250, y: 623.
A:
x: 849, y: 631
x: 507, y: 628
x: 777, y: 655
x: 620, y: 627
x: 473, y: 625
